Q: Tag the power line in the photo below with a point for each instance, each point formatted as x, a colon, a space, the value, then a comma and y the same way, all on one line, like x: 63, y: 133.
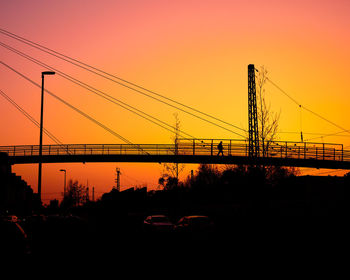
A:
x: 28, y: 116
x: 104, y: 95
x: 286, y: 94
x: 71, y: 106
x: 320, y: 135
x: 331, y: 134
x: 311, y: 133
x: 310, y: 111
x: 48, y: 50
x: 70, y: 59
x: 96, y: 91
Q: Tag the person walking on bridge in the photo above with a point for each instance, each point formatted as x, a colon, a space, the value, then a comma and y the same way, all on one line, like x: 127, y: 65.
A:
x: 220, y: 148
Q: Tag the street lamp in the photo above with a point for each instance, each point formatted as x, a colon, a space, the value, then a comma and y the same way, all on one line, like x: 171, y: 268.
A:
x: 64, y: 188
x: 41, y: 129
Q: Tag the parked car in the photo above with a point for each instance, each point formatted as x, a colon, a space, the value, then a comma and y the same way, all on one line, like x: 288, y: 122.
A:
x: 158, y: 223
x: 13, y: 218
x: 13, y: 239
x: 195, y: 224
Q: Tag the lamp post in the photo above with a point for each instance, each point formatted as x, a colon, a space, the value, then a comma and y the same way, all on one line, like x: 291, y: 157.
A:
x: 41, y: 129
x: 64, y: 188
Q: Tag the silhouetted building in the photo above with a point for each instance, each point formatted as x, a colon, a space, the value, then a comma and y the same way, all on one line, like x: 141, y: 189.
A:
x: 16, y: 196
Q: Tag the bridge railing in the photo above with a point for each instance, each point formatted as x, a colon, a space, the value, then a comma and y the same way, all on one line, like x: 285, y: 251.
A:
x: 197, y: 147
x: 276, y: 149
x: 89, y: 149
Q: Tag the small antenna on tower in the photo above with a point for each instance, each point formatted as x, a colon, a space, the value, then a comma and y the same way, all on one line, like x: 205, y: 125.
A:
x: 118, y: 179
x: 301, y: 125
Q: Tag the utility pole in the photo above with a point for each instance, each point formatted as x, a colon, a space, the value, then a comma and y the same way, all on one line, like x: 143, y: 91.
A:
x: 87, y: 197
x: 65, y: 182
x: 252, y: 114
x: 87, y: 191
x: 118, y: 179
x: 41, y: 131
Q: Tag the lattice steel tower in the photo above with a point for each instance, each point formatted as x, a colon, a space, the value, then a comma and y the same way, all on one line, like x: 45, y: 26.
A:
x: 252, y: 114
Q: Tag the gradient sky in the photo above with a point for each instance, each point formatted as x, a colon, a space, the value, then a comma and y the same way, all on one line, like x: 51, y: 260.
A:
x: 195, y: 52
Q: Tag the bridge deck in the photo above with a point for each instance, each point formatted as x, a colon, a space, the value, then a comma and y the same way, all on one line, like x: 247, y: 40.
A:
x: 302, y: 154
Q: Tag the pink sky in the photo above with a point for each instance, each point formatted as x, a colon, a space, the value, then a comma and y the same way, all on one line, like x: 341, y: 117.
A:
x: 196, y: 52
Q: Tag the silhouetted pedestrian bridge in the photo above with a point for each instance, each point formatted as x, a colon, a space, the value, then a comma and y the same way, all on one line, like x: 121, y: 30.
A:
x: 301, y: 154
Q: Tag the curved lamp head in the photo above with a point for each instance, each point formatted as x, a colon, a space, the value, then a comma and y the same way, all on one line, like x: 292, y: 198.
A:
x: 48, y: 73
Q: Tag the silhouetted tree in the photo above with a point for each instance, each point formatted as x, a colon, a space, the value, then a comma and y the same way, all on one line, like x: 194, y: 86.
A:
x: 207, y: 176
x: 266, y: 174
x: 168, y: 182
x: 53, y: 204
x: 268, y: 120
x: 275, y: 174
x: 347, y: 178
x: 268, y: 128
x: 171, y: 171
x: 76, y: 195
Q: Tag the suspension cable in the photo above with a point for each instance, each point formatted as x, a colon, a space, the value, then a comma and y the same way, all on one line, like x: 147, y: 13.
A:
x: 29, y: 117
x: 301, y: 125
x: 106, y: 96
x: 70, y: 106
x: 96, y: 91
x: 80, y: 63
x: 310, y: 111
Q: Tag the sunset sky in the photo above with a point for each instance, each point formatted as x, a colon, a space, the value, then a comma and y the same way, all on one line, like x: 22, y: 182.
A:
x: 195, y: 52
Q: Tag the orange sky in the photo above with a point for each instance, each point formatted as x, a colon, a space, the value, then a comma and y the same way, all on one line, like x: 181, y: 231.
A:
x: 195, y: 52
